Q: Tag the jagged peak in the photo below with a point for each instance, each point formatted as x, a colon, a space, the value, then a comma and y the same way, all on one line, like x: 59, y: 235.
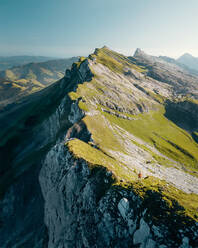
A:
x: 139, y: 52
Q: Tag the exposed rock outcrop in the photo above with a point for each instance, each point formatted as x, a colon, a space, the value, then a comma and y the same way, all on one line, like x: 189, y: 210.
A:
x: 83, y: 209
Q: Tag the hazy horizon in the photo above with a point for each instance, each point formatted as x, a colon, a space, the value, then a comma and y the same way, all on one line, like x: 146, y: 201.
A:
x: 75, y: 28
x: 65, y: 57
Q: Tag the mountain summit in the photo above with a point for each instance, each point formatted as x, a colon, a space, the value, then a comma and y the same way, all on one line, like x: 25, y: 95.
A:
x: 139, y: 52
x: 188, y: 60
x: 105, y: 157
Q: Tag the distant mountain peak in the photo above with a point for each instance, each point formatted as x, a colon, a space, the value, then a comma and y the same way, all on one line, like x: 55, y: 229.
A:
x: 189, y: 60
x: 139, y: 52
x: 106, y: 47
x: 186, y: 55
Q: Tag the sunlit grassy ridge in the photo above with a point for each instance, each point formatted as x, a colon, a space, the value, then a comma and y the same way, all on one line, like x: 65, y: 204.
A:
x: 187, y: 203
x: 95, y: 157
x: 182, y: 204
x: 152, y: 127
x: 114, y: 61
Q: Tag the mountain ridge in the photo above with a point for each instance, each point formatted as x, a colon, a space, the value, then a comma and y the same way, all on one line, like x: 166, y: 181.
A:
x: 7, y: 62
x: 92, y: 133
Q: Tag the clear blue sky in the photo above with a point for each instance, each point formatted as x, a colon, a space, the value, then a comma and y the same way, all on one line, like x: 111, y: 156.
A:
x: 75, y: 27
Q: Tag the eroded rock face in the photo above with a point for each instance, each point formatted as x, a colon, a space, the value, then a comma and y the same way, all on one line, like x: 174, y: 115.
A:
x: 178, y: 75
x: 76, y: 114
x: 141, y: 235
x: 79, y: 212
x: 21, y: 200
x: 123, y: 207
x: 83, y: 209
x: 184, y: 114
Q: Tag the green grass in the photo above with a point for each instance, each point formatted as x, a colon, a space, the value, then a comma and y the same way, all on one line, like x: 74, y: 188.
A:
x: 159, y: 98
x: 73, y: 95
x: 78, y: 63
x: 86, y: 90
x: 188, y: 203
x: 14, y: 85
x: 82, y: 105
x: 102, y: 135
x: 31, y: 75
x: 10, y: 75
x: 156, y: 157
x: 153, y: 128
x: 96, y: 157
x: 93, y: 156
x: 163, y: 134
x: 191, y: 100
x: 114, y: 61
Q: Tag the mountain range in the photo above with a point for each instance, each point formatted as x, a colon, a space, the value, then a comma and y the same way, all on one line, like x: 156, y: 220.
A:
x: 107, y: 156
x: 11, y: 61
x: 22, y: 80
x: 188, y: 60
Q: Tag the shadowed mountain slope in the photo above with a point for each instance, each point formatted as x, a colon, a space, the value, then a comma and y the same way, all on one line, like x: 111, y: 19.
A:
x: 25, y: 79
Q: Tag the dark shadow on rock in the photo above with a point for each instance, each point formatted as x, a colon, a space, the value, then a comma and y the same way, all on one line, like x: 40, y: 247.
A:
x: 184, y: 114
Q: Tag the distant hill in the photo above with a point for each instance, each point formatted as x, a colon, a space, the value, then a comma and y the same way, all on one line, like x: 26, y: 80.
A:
x: 10, y: 91
x: 189, y: 60
x: 26, y: 79
x: 9, y: 62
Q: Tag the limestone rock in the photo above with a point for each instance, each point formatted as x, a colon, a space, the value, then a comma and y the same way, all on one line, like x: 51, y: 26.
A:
x: 141, y: 235
x: 123, y: 207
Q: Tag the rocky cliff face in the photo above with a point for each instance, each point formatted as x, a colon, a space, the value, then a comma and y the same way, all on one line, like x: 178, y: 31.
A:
x: 83, y: 209
x: 38, y: 123
x: 101, y: 125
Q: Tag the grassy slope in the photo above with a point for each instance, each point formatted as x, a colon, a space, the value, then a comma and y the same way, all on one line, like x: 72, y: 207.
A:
x: 115, y: 61
x: 10, y: 89
x: 163, y: 134
x: 153, y: 128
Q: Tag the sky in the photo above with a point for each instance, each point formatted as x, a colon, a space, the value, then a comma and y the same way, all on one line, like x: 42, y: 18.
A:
x: 65, y: 28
